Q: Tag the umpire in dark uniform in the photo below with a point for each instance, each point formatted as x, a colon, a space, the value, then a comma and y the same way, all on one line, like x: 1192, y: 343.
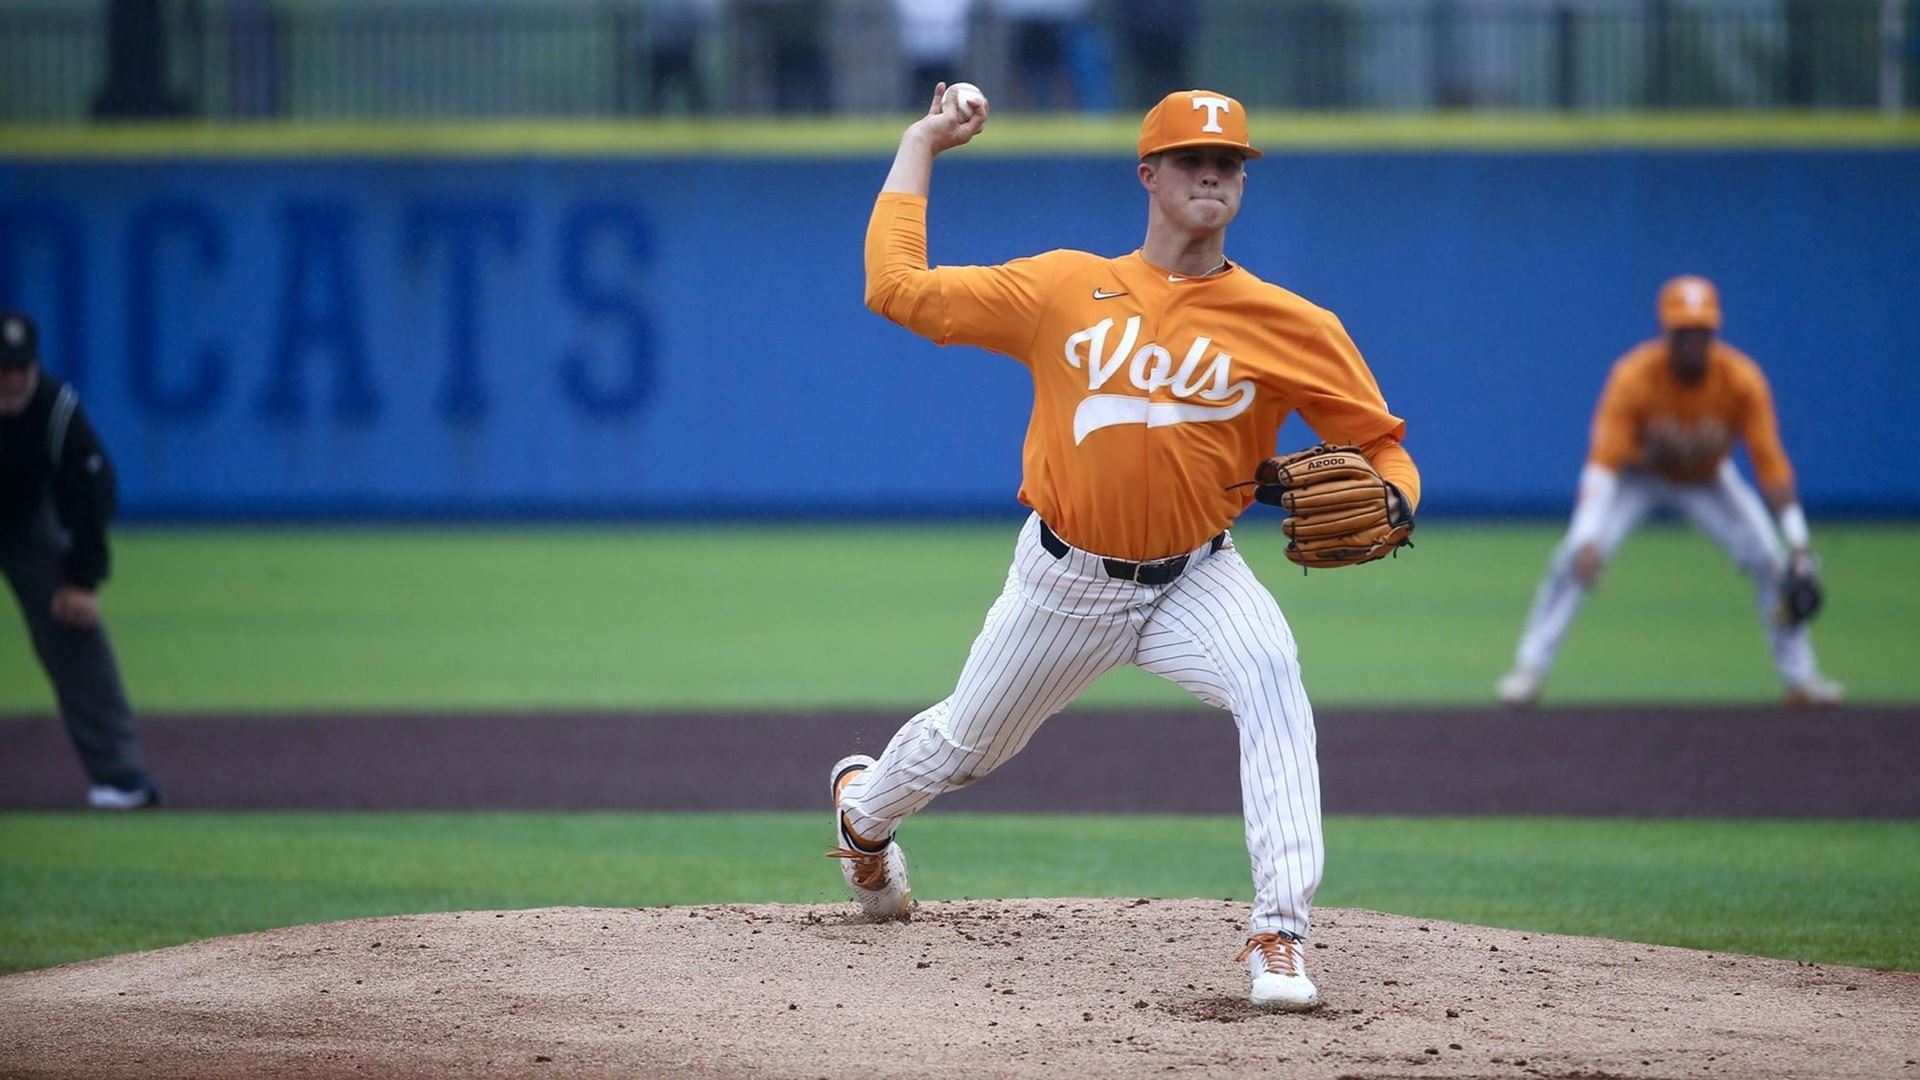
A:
x: 56, y: 494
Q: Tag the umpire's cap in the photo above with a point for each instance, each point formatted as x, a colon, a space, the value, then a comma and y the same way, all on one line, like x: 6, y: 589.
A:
x: 1195, y: 118
x: 1689, y: 301
x: 19, y: 340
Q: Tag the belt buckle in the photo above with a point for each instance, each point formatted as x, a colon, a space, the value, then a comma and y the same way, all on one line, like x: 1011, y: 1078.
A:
x: 1167, y: 570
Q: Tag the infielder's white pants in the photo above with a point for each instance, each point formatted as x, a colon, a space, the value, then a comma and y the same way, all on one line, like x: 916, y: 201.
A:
x: 1728, y: 510
x: 1058, y: 625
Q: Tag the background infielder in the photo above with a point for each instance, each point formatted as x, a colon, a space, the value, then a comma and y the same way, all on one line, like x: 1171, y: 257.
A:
x: 1662, y: 436
x: 1161, y: 379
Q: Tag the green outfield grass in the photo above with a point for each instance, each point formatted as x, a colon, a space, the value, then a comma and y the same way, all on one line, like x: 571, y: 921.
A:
x: 823, y: 616
x: 76, y: 886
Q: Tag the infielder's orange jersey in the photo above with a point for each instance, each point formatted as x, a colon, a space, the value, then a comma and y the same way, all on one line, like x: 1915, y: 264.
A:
x: 1648, y: 419
x: 1154, y: 393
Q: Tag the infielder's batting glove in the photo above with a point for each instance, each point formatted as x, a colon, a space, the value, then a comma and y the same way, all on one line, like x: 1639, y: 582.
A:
x: 1338, y: 506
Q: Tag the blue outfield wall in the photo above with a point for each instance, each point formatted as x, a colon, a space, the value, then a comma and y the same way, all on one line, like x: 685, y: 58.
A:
x: 677, y: 336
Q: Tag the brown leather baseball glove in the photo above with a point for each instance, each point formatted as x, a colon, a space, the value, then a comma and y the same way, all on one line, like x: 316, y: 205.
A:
x: 1339, y: 513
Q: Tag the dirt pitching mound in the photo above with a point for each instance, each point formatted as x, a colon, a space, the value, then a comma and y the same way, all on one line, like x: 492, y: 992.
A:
x: 1011, y: 988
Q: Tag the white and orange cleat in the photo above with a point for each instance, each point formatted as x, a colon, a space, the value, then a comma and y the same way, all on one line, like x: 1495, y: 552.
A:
x: 876, y: 873
x: 1520, y: 688
x: 1279, y: 971
x: 1818, y: 692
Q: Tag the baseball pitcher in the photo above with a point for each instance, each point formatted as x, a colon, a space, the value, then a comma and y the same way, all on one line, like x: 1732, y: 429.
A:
x: 1161, y: 379
x: 1662, y: 436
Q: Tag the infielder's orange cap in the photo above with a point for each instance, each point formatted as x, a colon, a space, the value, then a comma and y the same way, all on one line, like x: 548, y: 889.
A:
x: 1195, y: 118
x: 1689, y: 301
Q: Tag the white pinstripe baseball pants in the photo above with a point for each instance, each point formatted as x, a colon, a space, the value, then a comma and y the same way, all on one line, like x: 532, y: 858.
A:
x: 1727, y: 509
x: 1058, y: 625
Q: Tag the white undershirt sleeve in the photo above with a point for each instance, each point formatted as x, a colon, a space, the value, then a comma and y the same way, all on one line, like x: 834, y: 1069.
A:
x: 1793, y: 527
x: 1598, y: 486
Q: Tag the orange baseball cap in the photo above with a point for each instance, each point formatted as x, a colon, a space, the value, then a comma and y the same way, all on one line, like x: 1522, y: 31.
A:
x: 1195, y: 118
x: 1689, y: 301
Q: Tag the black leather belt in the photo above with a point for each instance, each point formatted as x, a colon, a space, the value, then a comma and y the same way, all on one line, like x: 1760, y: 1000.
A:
x: 1158, y: 572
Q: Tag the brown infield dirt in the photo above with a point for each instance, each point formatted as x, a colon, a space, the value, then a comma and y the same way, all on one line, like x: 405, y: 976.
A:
x: 1009, y: 988
x: 1002, y: 988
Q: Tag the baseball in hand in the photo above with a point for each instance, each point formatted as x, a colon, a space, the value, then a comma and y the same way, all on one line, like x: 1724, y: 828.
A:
x: 965, y: 97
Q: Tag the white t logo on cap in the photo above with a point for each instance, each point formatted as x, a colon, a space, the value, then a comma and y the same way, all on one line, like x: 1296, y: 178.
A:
x: 1214, y: 106
x: 16, y: 332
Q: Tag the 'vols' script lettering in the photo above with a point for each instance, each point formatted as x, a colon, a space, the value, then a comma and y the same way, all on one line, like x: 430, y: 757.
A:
x: 1149, y: 368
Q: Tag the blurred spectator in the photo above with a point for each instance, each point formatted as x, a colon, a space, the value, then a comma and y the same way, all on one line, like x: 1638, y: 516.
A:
x: 674, y: 32
x: 56, y: 494
x: 1042, y: 35
x: 789, y: 31
x: 136, y: 83
x: 1154, y: 35
x: 933, y: 38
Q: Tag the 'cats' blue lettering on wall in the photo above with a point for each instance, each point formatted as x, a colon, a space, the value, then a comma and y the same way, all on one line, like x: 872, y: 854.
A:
x: 374, y: 337
x: 172, y: 245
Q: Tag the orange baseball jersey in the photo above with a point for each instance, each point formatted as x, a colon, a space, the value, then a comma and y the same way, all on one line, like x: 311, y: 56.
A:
x: 1648, y: 419
x: 1154, y: 393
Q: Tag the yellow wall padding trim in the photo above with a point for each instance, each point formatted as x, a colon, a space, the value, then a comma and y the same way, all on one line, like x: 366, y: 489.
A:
x: 1009, y: 136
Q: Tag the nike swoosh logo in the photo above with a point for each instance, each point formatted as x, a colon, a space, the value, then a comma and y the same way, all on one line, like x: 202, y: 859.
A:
x: 1102, y: 294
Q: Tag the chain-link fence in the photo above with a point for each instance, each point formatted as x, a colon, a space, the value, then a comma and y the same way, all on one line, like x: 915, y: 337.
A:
x: 448, y: 59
